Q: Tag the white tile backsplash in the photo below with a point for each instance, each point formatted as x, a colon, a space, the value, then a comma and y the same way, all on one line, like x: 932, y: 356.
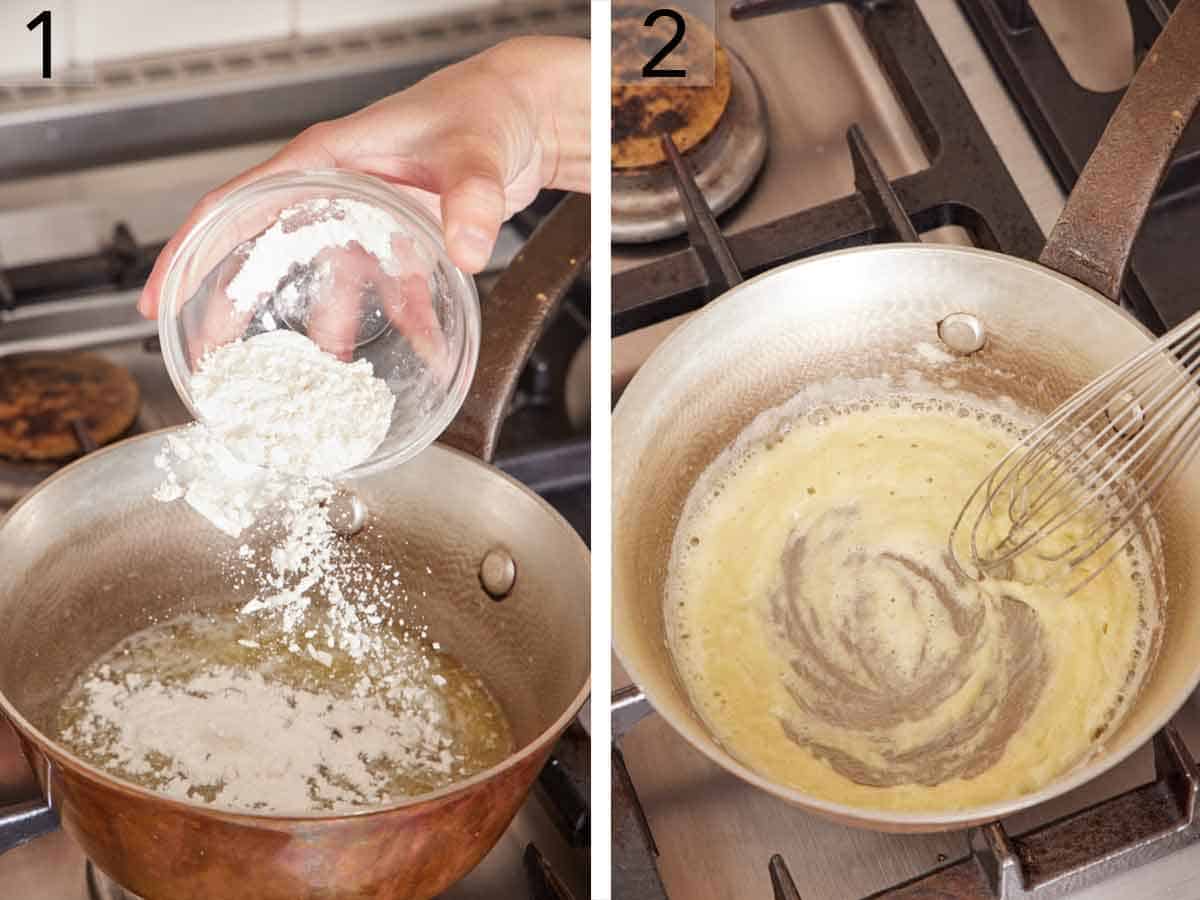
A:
x: 85, y: 32
x: 52, y: 216
x: 113, y: 29
x: 318, y: 16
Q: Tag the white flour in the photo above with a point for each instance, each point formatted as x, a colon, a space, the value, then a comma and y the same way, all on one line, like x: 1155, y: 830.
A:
x: 256, y: 744
x: 279, y: 402
x: 300, y: 234
x: 281, y: 417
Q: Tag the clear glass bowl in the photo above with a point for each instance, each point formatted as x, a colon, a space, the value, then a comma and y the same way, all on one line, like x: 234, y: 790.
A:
x: 383, y: 290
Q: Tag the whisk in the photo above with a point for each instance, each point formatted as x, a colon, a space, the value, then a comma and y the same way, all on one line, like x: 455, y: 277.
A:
x: 1079, y: 488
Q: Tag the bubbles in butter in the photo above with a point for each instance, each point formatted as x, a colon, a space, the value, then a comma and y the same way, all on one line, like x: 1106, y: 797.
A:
x: 829, y: 643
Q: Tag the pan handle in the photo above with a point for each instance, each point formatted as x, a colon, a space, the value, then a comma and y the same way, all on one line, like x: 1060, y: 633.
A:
x: 514, y: 316
x: 1093, y: 238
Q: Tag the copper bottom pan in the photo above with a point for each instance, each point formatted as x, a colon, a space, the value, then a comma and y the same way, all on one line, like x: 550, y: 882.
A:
x: 89, y: 558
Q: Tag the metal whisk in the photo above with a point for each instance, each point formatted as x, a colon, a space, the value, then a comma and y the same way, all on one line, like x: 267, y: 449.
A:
x: 1080, y: 487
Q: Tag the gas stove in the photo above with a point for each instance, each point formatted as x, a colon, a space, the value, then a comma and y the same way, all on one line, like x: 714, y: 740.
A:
x: 88, y: 197
x: 888, y: 121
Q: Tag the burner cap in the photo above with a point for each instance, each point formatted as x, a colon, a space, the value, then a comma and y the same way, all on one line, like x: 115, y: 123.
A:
x: 645, y: 201
x: 643, y: 112
x: 52, y: 403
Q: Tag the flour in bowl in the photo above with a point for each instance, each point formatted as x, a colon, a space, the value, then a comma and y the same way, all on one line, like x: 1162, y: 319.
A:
x: 281, y: 416
x: 278, y: 401
x: 300, y: 235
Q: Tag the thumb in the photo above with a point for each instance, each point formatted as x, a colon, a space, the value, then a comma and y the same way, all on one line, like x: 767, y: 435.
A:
x: 473, y: 208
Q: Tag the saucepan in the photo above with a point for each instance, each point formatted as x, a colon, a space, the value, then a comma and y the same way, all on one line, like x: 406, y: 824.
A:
x: 88, y: 558
x: 1033, y: 332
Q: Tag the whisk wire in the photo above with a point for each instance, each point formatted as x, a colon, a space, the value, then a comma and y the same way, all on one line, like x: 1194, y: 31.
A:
x: 1094, y: 470
x: 1168, y: 381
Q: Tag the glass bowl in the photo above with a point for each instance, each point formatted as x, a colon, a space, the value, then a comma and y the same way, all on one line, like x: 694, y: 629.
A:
x: 370, y: 281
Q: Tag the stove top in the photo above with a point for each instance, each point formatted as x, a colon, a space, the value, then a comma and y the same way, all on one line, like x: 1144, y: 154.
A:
x: 1067, y: 119
x: 910, y: 136
x: 715, y: 835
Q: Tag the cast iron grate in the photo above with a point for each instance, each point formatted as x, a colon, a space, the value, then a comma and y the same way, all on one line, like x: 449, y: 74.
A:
x: 966, y: 183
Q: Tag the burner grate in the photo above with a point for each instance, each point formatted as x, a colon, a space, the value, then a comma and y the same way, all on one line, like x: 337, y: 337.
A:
x: 1070, y: 854
x: 122, y: 264
x: 966, y: 185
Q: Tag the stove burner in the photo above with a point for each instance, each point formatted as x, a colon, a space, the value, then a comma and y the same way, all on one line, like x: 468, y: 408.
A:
x: 966, y: 183
x: 54, y: 406
x: 642, y: 112
x: 645, y: 203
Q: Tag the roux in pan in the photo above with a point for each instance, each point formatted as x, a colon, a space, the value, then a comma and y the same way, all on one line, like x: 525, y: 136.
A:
x: 830, y: 644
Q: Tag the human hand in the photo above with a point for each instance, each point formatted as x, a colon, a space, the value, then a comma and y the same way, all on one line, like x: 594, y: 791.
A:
x: 474, y: 143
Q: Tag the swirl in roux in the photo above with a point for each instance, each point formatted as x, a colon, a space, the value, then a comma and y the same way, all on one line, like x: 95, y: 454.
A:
x: 828, y: 642
x: 856, y: 676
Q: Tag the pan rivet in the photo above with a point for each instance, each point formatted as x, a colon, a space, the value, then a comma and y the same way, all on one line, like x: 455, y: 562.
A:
x: 497, y: 574
x: 962, y: 333
x: 347, y: 513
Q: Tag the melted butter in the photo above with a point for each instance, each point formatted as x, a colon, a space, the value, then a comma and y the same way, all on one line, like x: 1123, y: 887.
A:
x: 829, y: 643
x: 159, y: 706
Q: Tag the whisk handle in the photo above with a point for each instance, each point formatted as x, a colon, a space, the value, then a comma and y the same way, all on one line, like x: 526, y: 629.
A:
x: 1093, y: 238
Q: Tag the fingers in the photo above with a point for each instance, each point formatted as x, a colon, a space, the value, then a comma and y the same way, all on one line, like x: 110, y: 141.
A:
x: 333, y: 316
x: 473, y: 208
x: 409, y: 305
x: 465, y: 133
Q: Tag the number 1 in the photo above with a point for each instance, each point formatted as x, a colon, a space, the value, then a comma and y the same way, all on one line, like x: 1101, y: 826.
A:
x: 43, y: 18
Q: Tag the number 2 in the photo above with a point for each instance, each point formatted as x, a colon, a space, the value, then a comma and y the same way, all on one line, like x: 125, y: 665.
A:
x: 651, y: 70
x: 43, y: 18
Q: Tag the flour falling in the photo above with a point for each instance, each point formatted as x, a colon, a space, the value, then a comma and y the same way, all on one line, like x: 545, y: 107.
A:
x: 281, y: 417
x: 308, y: 680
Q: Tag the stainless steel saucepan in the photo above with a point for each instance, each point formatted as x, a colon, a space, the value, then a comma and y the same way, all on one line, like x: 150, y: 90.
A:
x: 89, y: 558
x: 1046, y: 329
